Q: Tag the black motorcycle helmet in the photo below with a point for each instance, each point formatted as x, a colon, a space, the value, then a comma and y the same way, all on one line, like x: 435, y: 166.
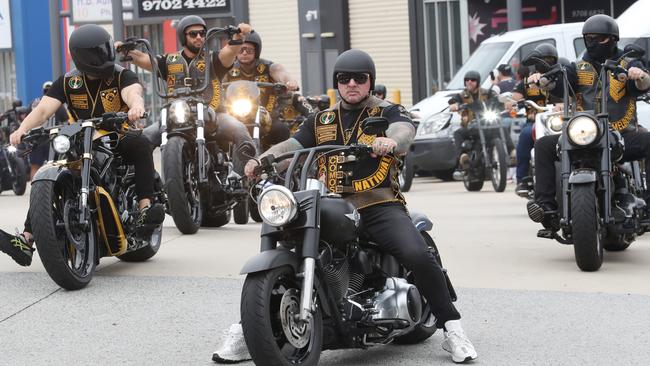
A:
x: 354, y: 61
x: 600, y: 25
x: 256, y: 40
x: 473, y: 75
x: 324, y: 102
x: 91, y: 48
x: 184, y: 23
x: 379, y: 89
x: 546, y: 52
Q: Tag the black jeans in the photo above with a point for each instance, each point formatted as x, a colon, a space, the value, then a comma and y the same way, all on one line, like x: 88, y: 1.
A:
x: 637, y: 146
x: 135, y: 149
x: 391, y: 228
x: 231, y: 130
x: 278, y: 133
x: 464, y: 133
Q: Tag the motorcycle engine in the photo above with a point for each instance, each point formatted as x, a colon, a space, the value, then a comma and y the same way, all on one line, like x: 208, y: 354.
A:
x: 399, y: 302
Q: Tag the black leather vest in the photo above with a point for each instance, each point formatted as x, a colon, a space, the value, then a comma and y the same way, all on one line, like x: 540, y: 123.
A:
x: 180, y: 75
x: 262, y: 73
x: 84, y: 103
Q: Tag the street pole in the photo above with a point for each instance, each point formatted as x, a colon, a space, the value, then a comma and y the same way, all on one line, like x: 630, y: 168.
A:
x: 514, y: 15
x: 55, y: 39
x: 118, y: 20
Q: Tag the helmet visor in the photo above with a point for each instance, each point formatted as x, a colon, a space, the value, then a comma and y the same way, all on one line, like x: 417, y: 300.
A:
x: 96, y: 56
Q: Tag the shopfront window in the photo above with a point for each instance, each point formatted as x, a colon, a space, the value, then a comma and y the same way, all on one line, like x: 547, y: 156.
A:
x: 443, y: 42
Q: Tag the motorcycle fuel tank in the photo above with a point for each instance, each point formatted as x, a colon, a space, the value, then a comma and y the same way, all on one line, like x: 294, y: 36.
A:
x: 337, y: 221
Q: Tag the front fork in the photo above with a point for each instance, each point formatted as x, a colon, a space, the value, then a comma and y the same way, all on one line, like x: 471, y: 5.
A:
x: 309, y: 252
x: 86, y: 161
x: 200, y: 143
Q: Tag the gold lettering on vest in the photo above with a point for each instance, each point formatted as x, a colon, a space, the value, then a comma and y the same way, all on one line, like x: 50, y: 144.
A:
x: 376, y: 178
x: 79, y: 101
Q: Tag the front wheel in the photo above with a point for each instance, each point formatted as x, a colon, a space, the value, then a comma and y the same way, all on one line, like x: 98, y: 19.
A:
x: 20, y: 180
x: 240, y: 212
x: 181, y: 185
x: 405, y: 176
x: 253, y: 210
x: 66, y: 250
x: 587, y: 241
x: 499, y: 165
x: 270, y: 305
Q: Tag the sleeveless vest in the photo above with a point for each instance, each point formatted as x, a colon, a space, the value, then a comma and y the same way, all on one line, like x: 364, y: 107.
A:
x: 182, y: 75
x: 468, y: 115
x: 84, y: 104
x: 621, y: 105
x: 262, y: 73
x: 365, y: 183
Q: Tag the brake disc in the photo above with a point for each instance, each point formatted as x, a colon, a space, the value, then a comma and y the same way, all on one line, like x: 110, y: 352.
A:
x: 296, y: 331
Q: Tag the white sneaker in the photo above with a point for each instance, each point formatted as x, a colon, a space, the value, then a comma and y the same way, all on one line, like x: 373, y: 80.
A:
x: 457, y: 344
x: 234, y: 348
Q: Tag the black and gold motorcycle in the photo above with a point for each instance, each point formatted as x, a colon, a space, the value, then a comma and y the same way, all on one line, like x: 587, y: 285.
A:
x: 83, y: 204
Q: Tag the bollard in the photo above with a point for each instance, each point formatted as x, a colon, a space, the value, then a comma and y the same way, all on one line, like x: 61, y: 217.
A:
x: 396, y: 96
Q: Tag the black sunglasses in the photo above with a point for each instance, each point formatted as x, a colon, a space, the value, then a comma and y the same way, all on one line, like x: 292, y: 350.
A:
x: 471, y: 79
x: 600, y: 38
x: 194, y: 34
x: 345, y: 77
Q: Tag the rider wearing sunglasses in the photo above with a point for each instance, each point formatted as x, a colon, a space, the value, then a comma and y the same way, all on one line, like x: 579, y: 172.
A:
x: 249, y: 66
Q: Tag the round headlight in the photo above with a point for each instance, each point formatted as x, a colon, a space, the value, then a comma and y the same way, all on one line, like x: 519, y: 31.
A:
x: 11, y: 149
x: 277, y: 205
x: 554, y: 123
x: 179, y: 112
x: 241, y: 107
x: 490, y: 116
x: 61, y: 144
x: 582, y: 130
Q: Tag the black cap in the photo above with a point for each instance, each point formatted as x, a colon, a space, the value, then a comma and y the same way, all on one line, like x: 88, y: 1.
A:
x: 600, y: 24
x: 505, y: 69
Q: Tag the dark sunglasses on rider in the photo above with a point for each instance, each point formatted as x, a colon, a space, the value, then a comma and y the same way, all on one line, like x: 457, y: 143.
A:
x: 345, y: 77
x: 471, y: 79
x: 592, y: 38
x: 194, y: 34
x: 248, y: 50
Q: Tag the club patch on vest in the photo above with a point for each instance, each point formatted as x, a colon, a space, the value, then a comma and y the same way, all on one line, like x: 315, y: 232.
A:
x: 586, y: 77
x: 200, y: 65
x: 110, y: 100
x: 174, y: 68
x: 327, y: 118
x: 261, y: 68
x: 624, y: 122
x: 76, y: 82
x: 365, y: 139
x: 173, y: 57
x: 325, y: 133
x: 235, y: 73
x: 383, y: 171
x: 79, y: 101
x: 373, y: 111
x: 616, y: 88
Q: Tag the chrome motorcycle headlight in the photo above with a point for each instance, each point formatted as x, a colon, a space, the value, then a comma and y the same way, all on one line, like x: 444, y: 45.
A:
x: 433, y: 124
x: 11, y: 149
x: 277, y: 205
x: 179, y: 112
x: 61, y: 144
x: 554, y: 123
x: 582, y: 130
x: 490, y: 116
x: 241, y: 107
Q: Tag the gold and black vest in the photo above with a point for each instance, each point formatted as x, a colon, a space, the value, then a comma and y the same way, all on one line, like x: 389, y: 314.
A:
x: 262, y: 73
x: 467, y: 115
x: 84, y: 103
x: 363, y: 183
x: 621, y: 105
x: 182, y: 75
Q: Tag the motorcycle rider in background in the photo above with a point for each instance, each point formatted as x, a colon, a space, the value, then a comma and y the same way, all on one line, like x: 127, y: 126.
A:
x: 249, y: 66
x: 114, y: 89
x: 175, y: 67
x: 380, y: 91
x: 601, y: 39
x: 382, y: 207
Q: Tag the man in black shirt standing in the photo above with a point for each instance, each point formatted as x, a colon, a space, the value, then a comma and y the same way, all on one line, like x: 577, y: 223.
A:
x: 95, y: 87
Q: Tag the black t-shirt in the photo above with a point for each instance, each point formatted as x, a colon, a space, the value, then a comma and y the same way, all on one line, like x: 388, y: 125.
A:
x: 306, y: 134
x: 218, y: 69
x: 127, y: 78
x: 506, y: 85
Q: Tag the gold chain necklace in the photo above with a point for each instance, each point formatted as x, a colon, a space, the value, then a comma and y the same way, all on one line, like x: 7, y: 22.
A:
x: 347, y: 133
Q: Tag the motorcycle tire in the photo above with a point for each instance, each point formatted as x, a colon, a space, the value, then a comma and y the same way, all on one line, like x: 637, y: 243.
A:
x: 146, y: 252
x: 216, y: 220
x: 261, y: 320
x: 587, y: 241
x: 253, y: 211
x: 187, y: 216
x: 614, y: 242
x: 240, y: 212
x: 20, y: 181
x: 406, y: 174
x: 499, y: 165
x: 55, y: 248
x: 472, y: 185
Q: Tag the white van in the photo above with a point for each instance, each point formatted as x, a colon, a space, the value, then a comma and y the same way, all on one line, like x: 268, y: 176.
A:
x: 433, y: 149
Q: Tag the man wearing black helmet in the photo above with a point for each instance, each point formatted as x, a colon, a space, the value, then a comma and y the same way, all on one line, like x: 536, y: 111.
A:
x: 473, y: 96
x: 380, y: 204
x: 249, y: 66
x: 95, y: 87
x: 380, y: 91
x: 601, y: 39
x: 188, y: 65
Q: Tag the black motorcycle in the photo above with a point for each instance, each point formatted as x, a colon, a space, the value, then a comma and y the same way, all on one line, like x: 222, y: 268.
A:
x: 201, y: 185
x: 486, y: 147
x: 318, y: 282
x: 600, y: 205
x: 83, y: 204
x: 14, y: 168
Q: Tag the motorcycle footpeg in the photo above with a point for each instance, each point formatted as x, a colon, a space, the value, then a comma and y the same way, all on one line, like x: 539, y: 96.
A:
x: 546, y: 234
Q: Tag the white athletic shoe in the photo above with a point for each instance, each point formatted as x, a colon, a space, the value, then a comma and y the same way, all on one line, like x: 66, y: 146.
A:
x: 234, y: 348
x: 457, y: 343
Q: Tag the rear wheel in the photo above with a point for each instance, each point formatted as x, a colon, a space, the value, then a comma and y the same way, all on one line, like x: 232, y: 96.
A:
x: 587, y: 243
x: 68, y: 251
x: 20, y: 180
x: 472, y: 183
x: 499, y: 165
x: 146, y: 252
x: 270, y: 305
x: 181, y: 185
x: 216, y: 220
x: 240, y: 211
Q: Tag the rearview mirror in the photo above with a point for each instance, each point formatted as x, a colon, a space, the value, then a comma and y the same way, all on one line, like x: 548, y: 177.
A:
x: 633, y: 50
x: 374, y: 125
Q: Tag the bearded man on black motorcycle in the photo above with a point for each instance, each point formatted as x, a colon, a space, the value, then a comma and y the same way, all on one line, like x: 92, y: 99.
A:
x: 382, y: 208
x: 95, y: 87
x: 601, y: 39
x: 189, y: 63
x: 249, y: 66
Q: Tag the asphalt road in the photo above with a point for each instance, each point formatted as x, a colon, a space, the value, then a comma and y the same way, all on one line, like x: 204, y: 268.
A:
x: 523, y: 300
